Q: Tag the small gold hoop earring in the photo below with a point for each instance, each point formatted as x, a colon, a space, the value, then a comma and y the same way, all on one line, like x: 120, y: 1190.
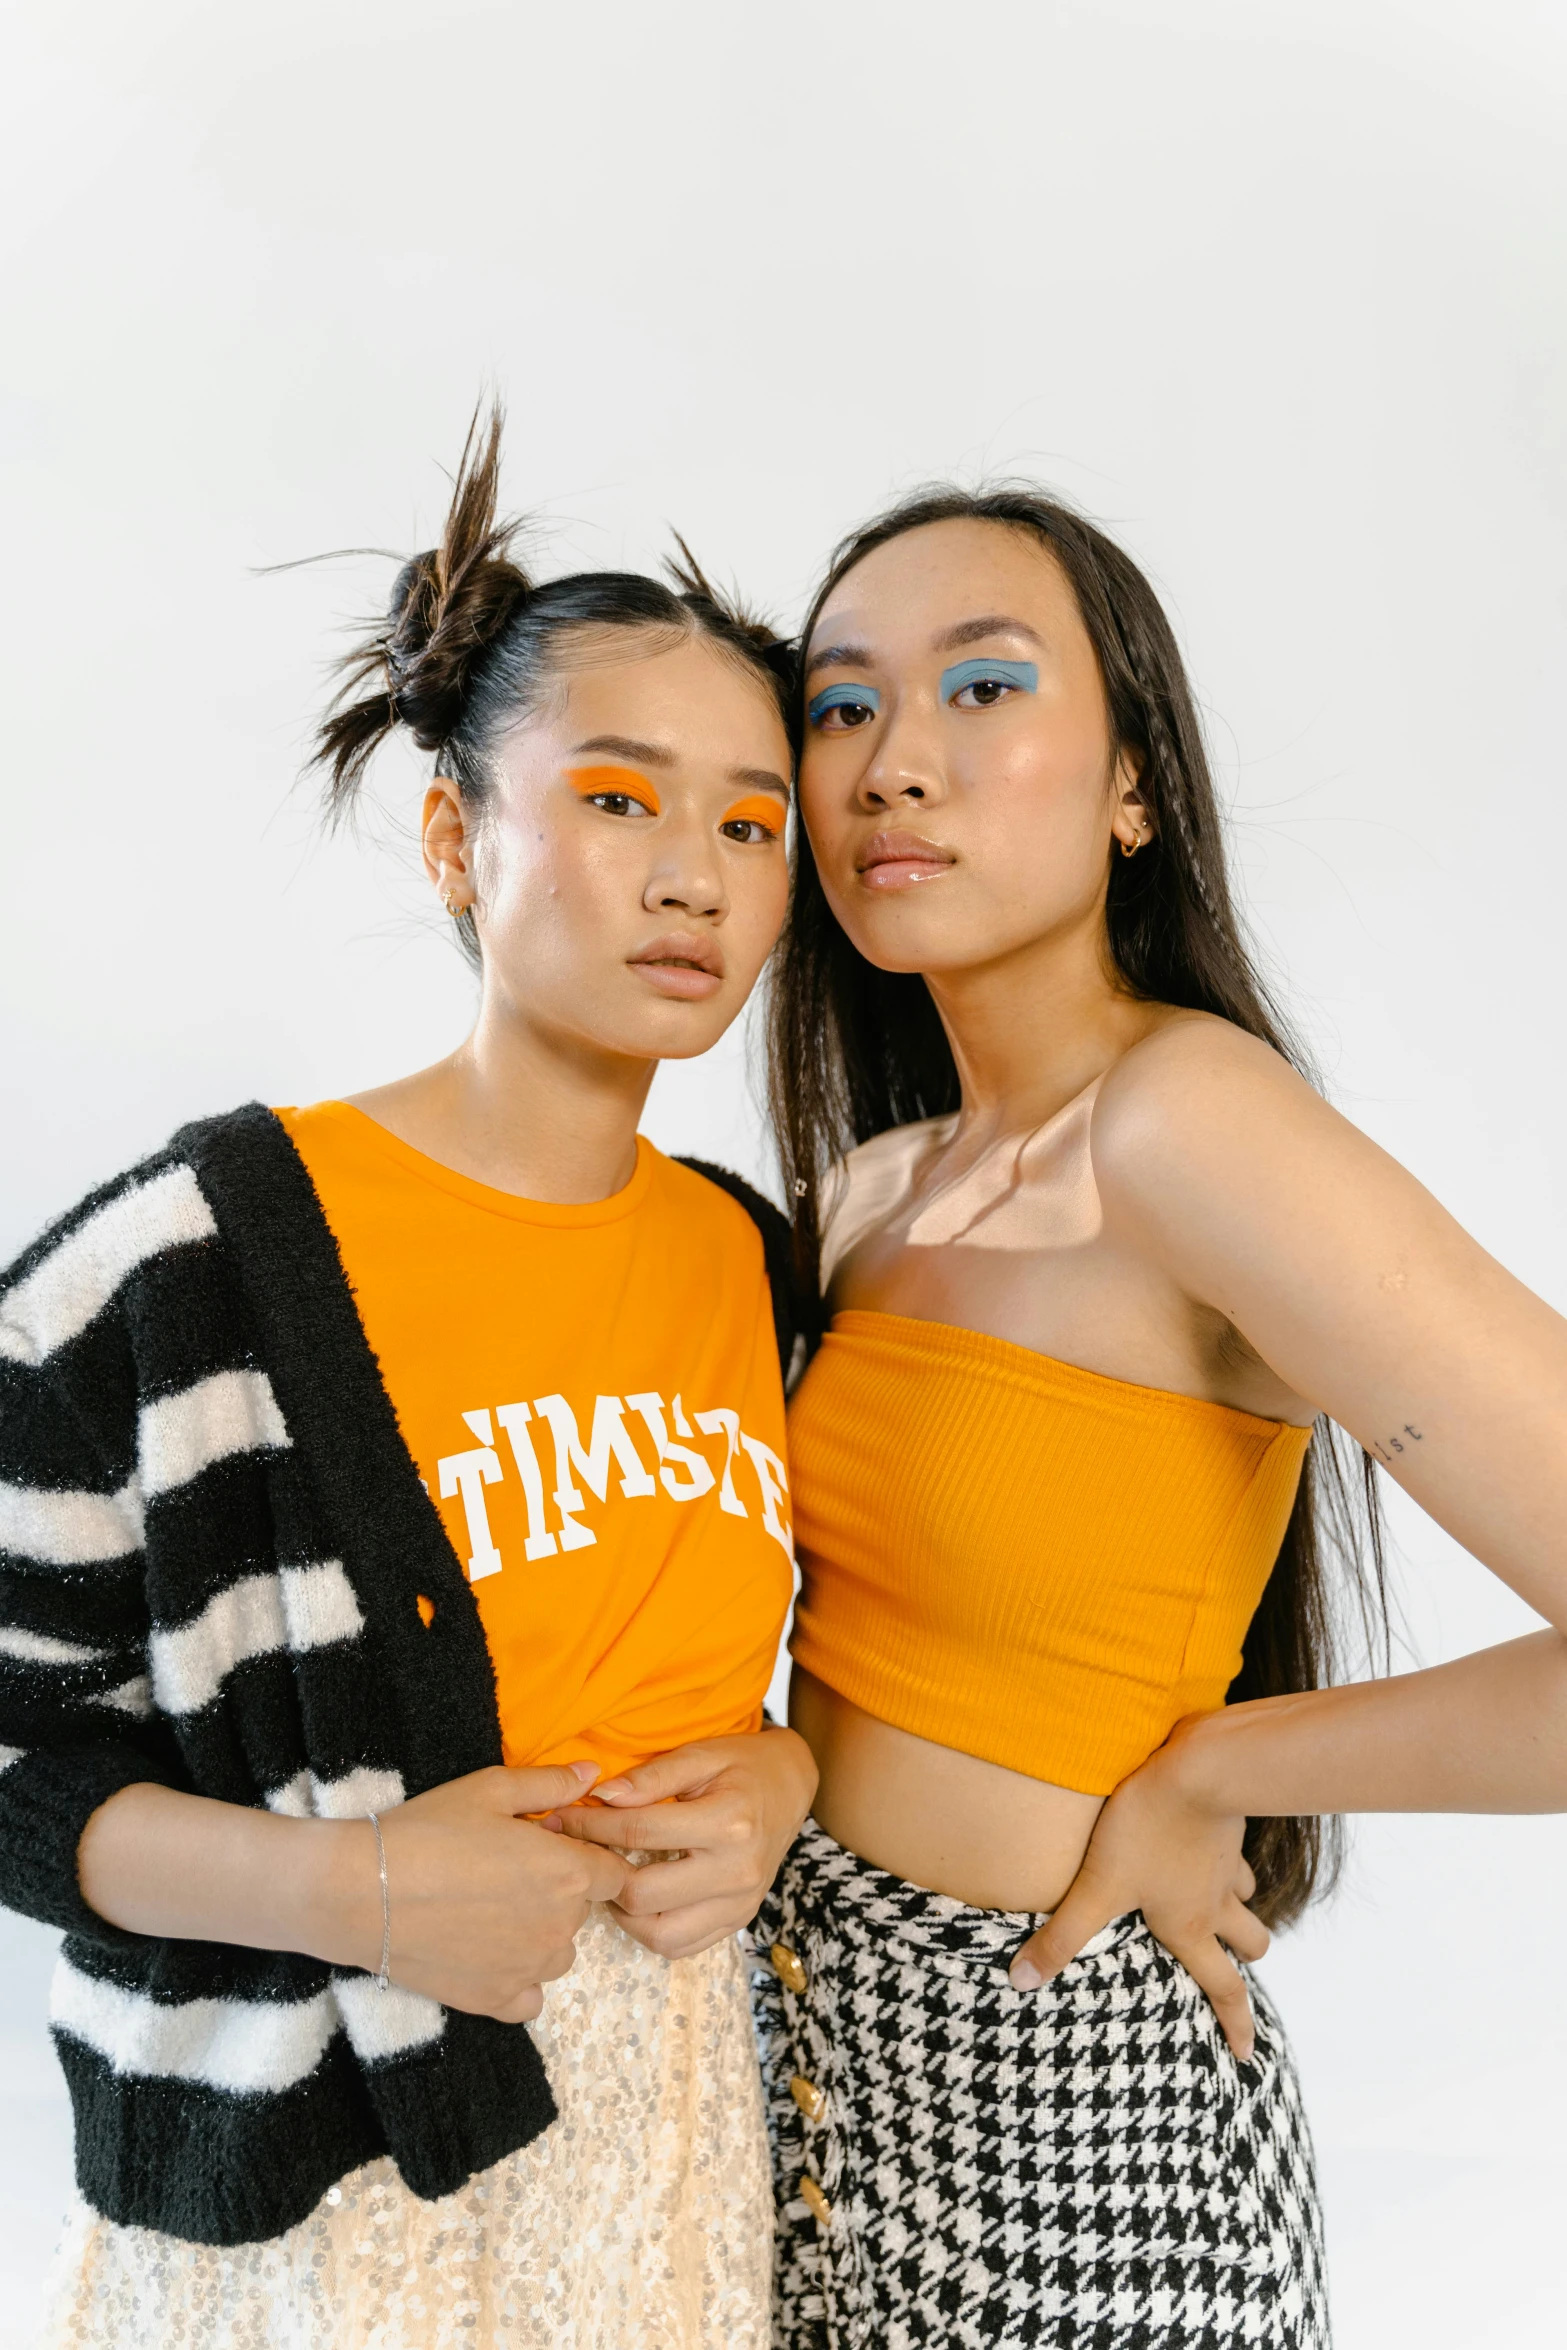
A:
x: 1131, y: 847
x: 450, y: 902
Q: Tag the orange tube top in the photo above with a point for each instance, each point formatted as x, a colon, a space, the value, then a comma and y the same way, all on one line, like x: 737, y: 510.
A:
x: 1026, y: 1561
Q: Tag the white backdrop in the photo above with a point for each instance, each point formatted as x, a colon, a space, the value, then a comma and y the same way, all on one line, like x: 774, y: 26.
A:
x: 1275, y: 289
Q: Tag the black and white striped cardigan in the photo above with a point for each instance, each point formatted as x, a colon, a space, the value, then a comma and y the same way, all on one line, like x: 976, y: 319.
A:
x: 213, y: 1542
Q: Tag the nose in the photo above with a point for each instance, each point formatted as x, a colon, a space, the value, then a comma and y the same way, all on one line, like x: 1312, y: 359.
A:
x: 687, y: 878
x: 905, y: 767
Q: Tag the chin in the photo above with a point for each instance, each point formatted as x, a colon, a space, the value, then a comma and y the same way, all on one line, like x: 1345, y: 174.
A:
x: 674, y: 1031
x: 902, y: 935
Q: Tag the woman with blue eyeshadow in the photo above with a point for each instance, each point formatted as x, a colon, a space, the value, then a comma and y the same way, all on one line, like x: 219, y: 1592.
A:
x: 1106, y: 1283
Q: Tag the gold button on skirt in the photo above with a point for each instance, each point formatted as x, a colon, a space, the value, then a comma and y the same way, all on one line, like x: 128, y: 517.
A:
x: 787, y: 1967
x: 811, y: 2100
x: 815, y: 2202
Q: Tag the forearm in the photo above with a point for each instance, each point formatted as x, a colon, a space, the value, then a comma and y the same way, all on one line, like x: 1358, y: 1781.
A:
x: 153, y: 1860
x: 1486, y: 1733
x: 789, y: 1754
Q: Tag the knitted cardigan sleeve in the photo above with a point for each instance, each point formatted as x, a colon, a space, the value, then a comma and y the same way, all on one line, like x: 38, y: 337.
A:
x: 77, y: 1721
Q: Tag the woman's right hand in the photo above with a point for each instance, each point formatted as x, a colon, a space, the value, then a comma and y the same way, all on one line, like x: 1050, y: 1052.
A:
x: 1160, y: 1847
x: 485, y: 1905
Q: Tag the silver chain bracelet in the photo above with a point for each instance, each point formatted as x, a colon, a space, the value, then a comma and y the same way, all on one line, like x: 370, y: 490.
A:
x: 383, y: 1981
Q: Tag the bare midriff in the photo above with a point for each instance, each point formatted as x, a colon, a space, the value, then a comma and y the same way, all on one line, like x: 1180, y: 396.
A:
x: 937, y: 1818
x: 1037, y: 1496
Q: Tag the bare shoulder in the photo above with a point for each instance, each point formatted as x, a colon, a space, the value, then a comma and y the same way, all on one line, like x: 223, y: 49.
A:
x: 1201, y: 1099
x: 870, y: 1183
x: 1192, y: 1068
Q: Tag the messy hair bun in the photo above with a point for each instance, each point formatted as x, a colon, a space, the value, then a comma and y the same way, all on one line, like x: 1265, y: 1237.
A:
x: 466, y: 647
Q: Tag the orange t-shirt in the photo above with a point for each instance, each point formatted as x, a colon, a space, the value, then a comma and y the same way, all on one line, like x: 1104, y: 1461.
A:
x: 593, y: 1400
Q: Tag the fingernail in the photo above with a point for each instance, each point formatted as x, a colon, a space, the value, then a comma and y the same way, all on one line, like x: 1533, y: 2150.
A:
x: 552, y: 1820
x: 1248, y: 2052
x: 613, y: 1789
x: 585, y: 1771
x: 1025, y: 1975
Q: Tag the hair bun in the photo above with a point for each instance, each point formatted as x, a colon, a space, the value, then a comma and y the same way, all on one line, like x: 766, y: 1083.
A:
x: 416, y: 575
x: 448, y: 607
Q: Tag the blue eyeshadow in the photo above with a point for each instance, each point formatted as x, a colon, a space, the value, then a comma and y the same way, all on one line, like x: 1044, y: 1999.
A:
x: 1023, y: 674
x: 838, y: 697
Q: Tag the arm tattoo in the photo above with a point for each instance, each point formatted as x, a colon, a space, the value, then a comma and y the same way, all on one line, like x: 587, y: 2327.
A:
x: 1389, y: 1450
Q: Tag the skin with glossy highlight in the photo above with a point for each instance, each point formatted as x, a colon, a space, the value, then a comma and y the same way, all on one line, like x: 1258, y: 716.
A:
x: 1182, y: 1212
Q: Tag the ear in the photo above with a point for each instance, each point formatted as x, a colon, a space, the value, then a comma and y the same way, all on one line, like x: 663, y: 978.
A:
x: 447, y: 844
x: 1131, y: 825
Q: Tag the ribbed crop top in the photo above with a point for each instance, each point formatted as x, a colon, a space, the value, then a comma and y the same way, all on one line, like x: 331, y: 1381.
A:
x: 1023, y: 1560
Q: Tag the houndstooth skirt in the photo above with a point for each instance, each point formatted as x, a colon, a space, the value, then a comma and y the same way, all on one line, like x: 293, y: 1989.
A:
x: 1085, y: 2167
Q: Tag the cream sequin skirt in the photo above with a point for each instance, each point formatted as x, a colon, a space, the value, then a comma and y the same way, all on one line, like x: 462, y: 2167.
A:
x: 641, y: 2220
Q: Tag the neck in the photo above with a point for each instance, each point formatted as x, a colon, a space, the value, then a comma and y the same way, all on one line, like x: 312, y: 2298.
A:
x: 523, y: 1108
x: 1032, y: 1029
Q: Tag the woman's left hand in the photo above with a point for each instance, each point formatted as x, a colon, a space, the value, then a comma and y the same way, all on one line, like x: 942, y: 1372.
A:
x: 1159, y: 1847
x: 741, y: 1801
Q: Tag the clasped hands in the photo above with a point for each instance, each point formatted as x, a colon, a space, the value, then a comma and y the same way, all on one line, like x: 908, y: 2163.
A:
x: 482, y: 1920
x: 1164, y: 1846
x: 702, y: 1831
x: 491, y: 1877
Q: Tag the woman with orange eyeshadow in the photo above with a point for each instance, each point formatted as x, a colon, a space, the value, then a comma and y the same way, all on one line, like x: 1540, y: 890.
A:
x: 417, y: 1461
x: 1104, y: 1276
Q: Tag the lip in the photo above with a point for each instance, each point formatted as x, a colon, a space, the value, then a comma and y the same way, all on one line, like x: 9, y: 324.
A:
x: 901, y: 860
x: 680, y: 965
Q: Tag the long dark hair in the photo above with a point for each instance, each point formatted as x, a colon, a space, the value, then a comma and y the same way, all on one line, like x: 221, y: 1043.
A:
x: 854, y: 1050
x: 471, y: 643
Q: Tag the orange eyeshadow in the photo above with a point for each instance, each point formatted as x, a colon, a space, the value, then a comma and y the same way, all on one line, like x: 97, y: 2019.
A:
x: 586, y: 781
x: 759, y: 809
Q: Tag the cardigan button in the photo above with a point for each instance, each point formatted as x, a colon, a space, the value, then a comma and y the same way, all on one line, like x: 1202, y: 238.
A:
x: 811, y: 2100
x: 787, y: 1967
x: 815, y: 2202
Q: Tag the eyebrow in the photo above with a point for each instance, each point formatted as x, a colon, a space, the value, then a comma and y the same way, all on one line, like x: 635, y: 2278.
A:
x: 626, y: 746
x: 972, y: 632
x: 840, y: 657
x: 966, y: 632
